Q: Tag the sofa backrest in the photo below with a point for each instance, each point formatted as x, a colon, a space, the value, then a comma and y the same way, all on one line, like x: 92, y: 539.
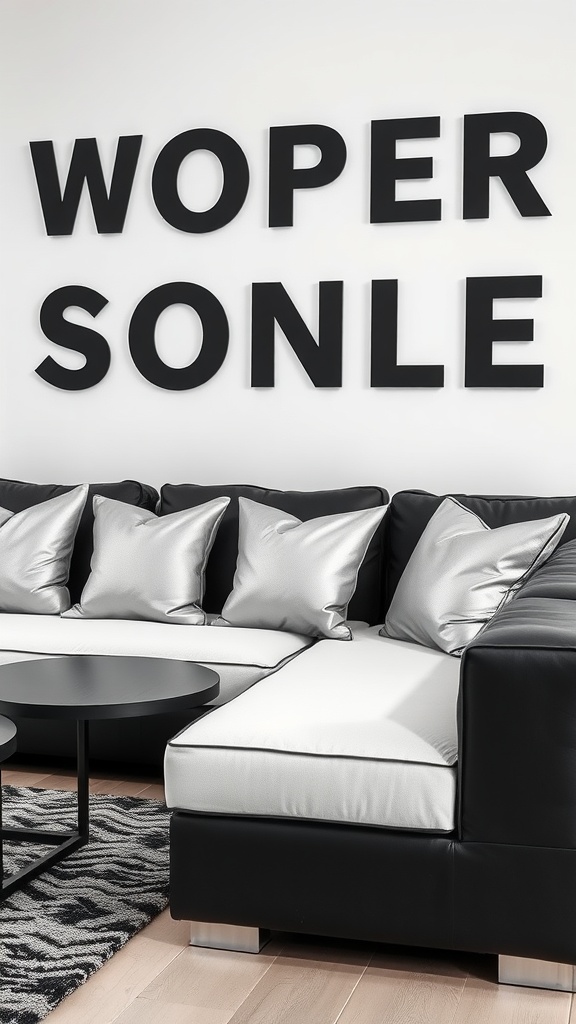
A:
x: 366, y: 603
x: 17, y: 495
x: 410, y: 512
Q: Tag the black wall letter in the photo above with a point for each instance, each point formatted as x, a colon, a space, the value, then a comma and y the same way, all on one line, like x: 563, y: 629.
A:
x: 322, y: 360
x: 142, y: 330
x: 109, y: 208
x: 386, y: 169
x: 234, y: 187
x: 482, y: 330
x: 479, y: 166
x: 89, y: 343
x: 284, y: 177
x: 385, y: 371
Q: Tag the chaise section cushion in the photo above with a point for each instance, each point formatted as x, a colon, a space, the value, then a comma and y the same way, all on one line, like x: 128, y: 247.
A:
x: 240, y: 656
x: 356, y: 733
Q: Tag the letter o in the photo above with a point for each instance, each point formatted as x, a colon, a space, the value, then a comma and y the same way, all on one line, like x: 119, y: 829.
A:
x: 236, y: 178
x: 142, y: 336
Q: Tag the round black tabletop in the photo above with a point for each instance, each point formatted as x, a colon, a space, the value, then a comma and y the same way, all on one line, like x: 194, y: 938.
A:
x: 89, y: 686
x: 7, y: 738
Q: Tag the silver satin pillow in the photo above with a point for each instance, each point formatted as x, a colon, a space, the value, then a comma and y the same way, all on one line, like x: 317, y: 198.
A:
x: 461, y: 572
x: 35, y: 551
x: 146, y: 566
x: 297, y: 576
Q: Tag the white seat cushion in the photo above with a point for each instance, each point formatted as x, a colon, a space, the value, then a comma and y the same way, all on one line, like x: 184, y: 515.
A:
x: 361, y: 732
x: 240, y: 656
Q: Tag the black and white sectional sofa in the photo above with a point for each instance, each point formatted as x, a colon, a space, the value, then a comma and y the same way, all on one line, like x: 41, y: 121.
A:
x: 373, y: 788
x: 385, y: 790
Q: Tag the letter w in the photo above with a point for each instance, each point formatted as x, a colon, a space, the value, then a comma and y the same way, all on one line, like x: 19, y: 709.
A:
x: 109, y: 208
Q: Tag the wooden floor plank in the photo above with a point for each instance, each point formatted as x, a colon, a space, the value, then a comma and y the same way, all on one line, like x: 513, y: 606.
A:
x: 212, y: 983
x: 106, y: 787
x: 137, y: 787
x: 23, y: 778
x: 147, y: 1011
x: 60, y: 781
x: 485, y: 1002
x: 403, y: 997
x: 300, y: 991
x: 153, y: 791
x: 146, y: 786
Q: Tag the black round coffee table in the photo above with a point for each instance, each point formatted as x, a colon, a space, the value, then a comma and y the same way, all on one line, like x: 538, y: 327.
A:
x: 86, y: 687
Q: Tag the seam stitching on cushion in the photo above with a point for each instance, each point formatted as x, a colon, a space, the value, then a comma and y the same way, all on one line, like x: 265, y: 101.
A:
x: 308, y: 753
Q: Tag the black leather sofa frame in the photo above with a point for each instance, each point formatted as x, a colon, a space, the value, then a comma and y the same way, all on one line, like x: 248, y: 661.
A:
x: 504, y: 881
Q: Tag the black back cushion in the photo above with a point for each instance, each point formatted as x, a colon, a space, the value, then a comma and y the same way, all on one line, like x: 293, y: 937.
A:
x: 366, y: 603
x: 17, y: 495
x: 410, y: 512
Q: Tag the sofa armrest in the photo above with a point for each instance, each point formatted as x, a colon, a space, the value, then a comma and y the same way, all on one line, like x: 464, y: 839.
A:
x: 517, y: 720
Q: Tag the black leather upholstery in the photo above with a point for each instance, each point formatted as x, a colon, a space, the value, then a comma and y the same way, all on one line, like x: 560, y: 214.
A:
x: 515, y: 900
x: 312, y: 877
x: 367, y: 601
x: 387, y: 886
x: 556, y: 578
x: 517, y: 726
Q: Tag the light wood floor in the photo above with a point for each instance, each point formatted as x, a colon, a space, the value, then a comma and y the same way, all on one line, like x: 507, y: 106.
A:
x: 156, y: 978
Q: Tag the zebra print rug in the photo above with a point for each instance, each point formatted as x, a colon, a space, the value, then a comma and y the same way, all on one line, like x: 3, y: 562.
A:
x: 67, y: 922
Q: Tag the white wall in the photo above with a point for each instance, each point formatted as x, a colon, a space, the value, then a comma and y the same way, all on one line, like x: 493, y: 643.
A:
x: 104, y: 68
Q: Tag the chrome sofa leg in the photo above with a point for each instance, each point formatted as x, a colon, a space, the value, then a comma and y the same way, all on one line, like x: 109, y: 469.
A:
x: 228, y: 936
x: 519, y: 970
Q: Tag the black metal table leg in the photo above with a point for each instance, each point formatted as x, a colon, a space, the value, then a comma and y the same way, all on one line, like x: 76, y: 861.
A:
x: 64, y: 843
x: 82, y: 759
